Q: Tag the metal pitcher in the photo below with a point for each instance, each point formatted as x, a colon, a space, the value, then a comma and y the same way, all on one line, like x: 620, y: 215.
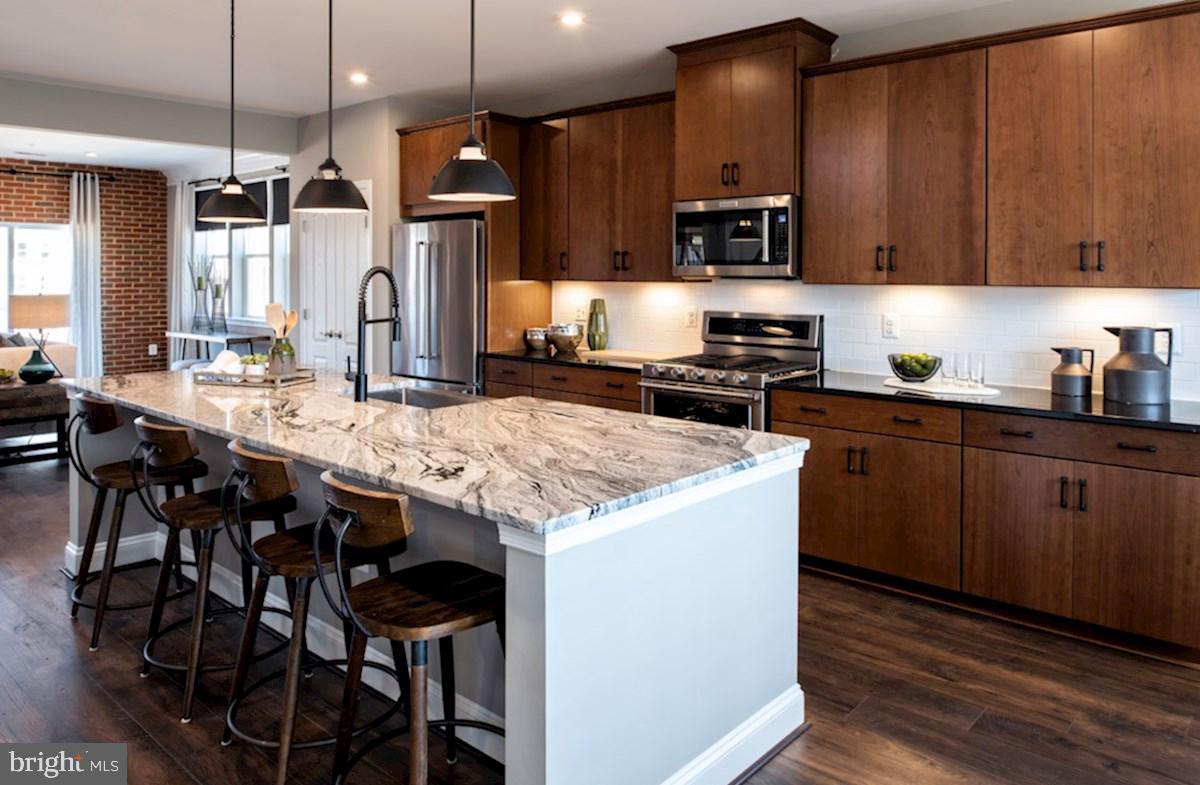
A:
x: 1071, y: 377
x: 1136, y: 374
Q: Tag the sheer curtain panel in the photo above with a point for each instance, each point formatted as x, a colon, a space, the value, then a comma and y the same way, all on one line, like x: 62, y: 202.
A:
x: 85, y: 284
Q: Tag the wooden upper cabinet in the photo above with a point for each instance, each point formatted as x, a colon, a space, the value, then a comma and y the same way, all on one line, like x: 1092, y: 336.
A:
x: 844, y: 225
x: 936, y: 136
x: 1147, y: 153
x: 647, y: 164
x: 702, y: 130
x: 544, y: 155
x: 1040, y: 162
x: 764, y: 137
x: 593, y: 203
x: 422, y: 153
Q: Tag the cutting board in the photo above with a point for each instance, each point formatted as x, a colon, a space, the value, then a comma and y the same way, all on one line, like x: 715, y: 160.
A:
x: 940, y: 388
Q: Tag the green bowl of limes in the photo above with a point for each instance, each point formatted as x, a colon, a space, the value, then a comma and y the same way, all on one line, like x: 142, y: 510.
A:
x: 915, y: 367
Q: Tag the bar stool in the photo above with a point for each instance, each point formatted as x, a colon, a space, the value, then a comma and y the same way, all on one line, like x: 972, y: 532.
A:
x: 202, y: 515
x: 258, y: 479
x: 430, y: 601
x: 96, y: 417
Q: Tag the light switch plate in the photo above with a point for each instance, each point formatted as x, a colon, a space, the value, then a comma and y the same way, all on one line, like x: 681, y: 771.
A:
x: 891, y: 326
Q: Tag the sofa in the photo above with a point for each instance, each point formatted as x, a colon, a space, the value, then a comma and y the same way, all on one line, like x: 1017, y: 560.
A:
x: 62, y: 354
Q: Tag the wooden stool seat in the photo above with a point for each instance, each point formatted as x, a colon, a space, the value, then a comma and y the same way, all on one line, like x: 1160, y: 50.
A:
x: 116, y: 476
x: 290, y: 553
x: 202, y: 511
x: 428, y: 601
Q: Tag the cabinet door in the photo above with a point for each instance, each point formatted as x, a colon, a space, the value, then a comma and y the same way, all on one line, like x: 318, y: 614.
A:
x: 1040, y: 162
x: 1147, y: 156
x: 911, y: 501
x: 936, y: 137
x: 829, y: 494
x: 422, y: 154
x: 702, y: 130
x: 1018, y: 512
x: 647, y: 167
x: 845, y: 177
x: 763, y: 123
x: 1137, y: 552
x: 544, y: 201
x: 593, y: 196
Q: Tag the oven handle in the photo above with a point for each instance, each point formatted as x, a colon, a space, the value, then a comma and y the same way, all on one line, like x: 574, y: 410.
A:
x: 699, y: 389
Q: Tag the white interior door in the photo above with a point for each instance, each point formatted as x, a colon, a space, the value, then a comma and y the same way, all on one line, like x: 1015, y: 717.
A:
x: 335, y: 252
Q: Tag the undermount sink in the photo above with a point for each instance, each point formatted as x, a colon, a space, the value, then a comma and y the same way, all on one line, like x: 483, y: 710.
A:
x: 424, y: 398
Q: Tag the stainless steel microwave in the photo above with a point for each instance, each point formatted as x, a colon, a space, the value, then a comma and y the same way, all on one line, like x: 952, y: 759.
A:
x: 752, y: 237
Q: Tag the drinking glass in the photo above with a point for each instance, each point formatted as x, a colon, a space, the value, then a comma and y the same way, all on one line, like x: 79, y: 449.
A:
x: 962, y: 368
x: 978, y: 369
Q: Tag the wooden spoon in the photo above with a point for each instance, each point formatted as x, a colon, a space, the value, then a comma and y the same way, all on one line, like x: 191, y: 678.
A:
x: 292, y: 319
x: 275, y: 318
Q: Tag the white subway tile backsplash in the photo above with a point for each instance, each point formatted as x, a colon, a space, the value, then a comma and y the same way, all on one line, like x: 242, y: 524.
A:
x: 1016, y: 327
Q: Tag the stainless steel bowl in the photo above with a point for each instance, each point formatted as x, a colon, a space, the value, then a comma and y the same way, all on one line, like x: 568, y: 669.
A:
x: 535, y: 339
x: 565, y: 337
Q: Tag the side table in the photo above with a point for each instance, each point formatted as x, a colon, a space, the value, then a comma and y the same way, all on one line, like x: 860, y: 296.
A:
x: 21, y: 404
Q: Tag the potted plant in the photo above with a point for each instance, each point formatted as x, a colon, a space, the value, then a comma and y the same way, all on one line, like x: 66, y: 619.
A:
x: 254, y: 364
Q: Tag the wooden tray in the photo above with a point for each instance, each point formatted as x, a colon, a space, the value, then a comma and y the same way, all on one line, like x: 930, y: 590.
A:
x: 268, y: 381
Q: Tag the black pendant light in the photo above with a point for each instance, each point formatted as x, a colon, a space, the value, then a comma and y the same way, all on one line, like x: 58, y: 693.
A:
x: 745, y: 232
x: 471, y: 176
x: 231, y: 204
x: 328, y: 192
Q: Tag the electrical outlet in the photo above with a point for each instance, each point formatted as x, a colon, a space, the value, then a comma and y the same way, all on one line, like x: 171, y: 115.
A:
x: 152, y: 350
x: 1160, y: 343
x: 891, y: 326
x: 690, y: 317
x: 580, y: 313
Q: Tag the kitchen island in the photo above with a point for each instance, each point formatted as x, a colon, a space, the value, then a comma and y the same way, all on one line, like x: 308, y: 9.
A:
x: 649, y: 563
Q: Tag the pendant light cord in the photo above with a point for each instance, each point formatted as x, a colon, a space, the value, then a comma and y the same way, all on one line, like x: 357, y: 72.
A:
x: 330, y: 118
x: 232, y: 18
x: 472, y: 69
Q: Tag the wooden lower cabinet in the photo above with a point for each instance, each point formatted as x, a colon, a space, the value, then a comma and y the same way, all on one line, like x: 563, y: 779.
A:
x: 587, y: 400
x: 510, y: 377
x: 1018, y: 519
x: 502, y: 390
x: 829, y: 508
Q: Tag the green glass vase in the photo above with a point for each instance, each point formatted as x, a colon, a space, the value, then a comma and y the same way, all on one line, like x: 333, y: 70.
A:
x: 282, y: 358
x: 597, y: 325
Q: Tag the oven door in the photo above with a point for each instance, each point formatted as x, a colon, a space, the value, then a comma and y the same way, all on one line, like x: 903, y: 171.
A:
x: 755, y: 237
x: 732, y: 407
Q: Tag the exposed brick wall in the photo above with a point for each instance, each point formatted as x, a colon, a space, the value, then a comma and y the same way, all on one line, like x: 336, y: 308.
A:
x: 133, y: 250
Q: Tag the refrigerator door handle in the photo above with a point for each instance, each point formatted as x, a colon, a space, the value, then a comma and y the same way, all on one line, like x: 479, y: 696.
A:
x: 423, y: 346
x: 431, y: 310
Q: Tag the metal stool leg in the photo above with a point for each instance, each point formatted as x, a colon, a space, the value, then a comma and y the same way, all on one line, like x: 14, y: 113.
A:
x: 295, y: 665
x: 341, y: 754
x: 89, y: 546
x: 110, y: 561
x: 418, y: 719
x: 446, y: 657
x: 203, y: 571
x: 170, y: 559
x: 246, y: 648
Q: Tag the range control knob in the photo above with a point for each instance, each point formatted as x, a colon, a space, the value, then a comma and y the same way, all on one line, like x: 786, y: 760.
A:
x: 678, y: 373
x: 740, y: 378
x: 657, y: 370
x: 697, y: 374
x: 718, y: 376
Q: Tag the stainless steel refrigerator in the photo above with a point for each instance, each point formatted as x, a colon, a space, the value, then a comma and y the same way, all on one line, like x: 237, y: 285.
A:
x: 439, y: 270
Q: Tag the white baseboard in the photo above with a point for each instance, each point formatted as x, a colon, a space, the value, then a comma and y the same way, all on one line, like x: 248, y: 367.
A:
x: 134, y: 548
x: 743, y: 746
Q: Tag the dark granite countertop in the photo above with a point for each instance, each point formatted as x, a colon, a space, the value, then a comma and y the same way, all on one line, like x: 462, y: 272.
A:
x: 1176, y: 416
x: 578, y: 360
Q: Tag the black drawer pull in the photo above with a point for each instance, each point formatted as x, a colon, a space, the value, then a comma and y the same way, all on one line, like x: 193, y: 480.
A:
x: 507, y: 372
x: 616, y: 261
x: 1083, y: 495
x: 736, y: 172
x: 1150, y: 448
x: 1083, y: 264
x: 891, y: 258
x: 862, y: 461
x: 562, y: 261
x: 879, y: 258
x: 1100, y: 256
x: 850, y: 469
x: 558, y: 378
x: 615, y: 385
x: 908, y: 420
x: 724, y: 174
x: 813, y: 409
x: 1020, y: 434
x: 1063, y: 484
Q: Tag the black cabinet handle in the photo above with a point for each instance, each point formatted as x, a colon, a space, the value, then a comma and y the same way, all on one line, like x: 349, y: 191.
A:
x: 1063, y: 484
x: 615, y: 385
x: 737, y: 173
x: 879, y: 258
x: 813, y: 409
x: 724, y: 174
x: 507, y: 372
x: 558, y: 378
x: 1020, y: 434
x: 908, y: 420
x: 625, y: 261
x: 1100, y: 256
x: 616, y: 261
x: 1150, y: 448
x: 1083, y: 265
x: 891, y: 258
x: 562, y: 261
x: 862, y: 461
x: 1083, y: 495
x: 850, y: 460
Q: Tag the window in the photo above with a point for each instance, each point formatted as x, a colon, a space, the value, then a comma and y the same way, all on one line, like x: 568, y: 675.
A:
x: 34, y: 259
x: 251, y: 260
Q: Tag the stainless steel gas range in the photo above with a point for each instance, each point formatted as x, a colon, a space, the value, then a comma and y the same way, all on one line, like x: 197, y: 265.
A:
x: 744, y: 353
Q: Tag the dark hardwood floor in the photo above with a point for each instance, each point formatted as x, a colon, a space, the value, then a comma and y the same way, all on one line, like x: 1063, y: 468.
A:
x: 899, y: 692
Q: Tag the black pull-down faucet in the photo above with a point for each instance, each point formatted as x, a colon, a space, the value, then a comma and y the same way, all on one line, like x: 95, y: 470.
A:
x: 360, y: 375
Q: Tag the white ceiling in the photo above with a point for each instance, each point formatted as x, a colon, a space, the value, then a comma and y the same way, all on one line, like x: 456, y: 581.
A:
x: 178, y: 48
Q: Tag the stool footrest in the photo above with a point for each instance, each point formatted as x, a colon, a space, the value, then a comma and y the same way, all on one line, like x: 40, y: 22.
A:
x: 149, y: 658
x: 76, y: 595
x: 383, y: 738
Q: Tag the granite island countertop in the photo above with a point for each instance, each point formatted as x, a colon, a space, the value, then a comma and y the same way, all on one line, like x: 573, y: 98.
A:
x: 536, y: 465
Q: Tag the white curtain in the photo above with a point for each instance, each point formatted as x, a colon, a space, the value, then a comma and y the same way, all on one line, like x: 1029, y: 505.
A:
x: 180, y: 300
x: 85, y: 286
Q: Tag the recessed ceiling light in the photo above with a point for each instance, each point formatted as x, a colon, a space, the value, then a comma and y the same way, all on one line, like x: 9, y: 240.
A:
x: 571, y: 19
x: 358, y: 77
x: 89, y: 155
